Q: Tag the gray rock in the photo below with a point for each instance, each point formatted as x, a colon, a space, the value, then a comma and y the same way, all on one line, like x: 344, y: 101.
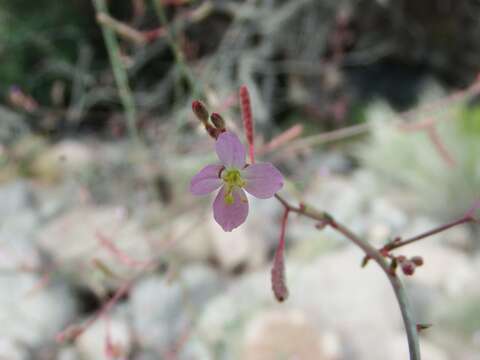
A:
x: 246, y: 246
x: 341, y: 297
x: 445, y: 269
x: 73, y: 243
x: 92, y: 344
x: 191, y: 241
x: 282, y: 334
x: 15, y: 197
x: 338, y: 298
x: 12, y: 124
x: 17, y: 233
x: 12, y: 350
x: 32, y: 315
x: 163, y: 312
x: 338, y: 196
x: 398, y: 350
x: 68, y: 353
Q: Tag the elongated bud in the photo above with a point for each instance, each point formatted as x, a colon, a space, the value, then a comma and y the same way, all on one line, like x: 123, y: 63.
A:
x: 247, y: 120
x: 200, y: 111
x: 218, y: 121
x: 279, y: 283
x: 212, y: 131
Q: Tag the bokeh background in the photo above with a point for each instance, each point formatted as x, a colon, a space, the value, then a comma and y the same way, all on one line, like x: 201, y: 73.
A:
x: 369, y: 108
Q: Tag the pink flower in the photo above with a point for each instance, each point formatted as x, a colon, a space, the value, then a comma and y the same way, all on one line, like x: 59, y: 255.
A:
x: 233, y: 175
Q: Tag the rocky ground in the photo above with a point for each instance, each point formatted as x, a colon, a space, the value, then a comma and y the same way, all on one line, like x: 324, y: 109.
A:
x: 210, y: 296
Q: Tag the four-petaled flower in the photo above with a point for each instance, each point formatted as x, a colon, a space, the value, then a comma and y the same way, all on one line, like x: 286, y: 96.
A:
x: 230, y: 208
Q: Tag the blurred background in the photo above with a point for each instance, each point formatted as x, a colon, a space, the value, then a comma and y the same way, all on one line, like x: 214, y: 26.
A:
x: 369, y: 108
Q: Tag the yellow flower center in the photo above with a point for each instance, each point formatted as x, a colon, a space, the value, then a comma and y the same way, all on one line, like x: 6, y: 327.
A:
x: 232, y: 179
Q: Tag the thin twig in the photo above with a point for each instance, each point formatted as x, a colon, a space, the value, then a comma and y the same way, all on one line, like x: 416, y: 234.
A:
x: 399, y: 242
x: 284, y: 138
x: 74, y: 331
x: 119, y: 73
x: 121, y: 28
x: 402, y: 122
x: 176, y: 50
x: 327, y: 137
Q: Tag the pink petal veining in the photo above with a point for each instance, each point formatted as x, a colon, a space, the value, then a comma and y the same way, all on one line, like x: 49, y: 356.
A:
x: 230, y: 216
x: 206, y: 180
x: 230, y: 150
x: 263, y: 180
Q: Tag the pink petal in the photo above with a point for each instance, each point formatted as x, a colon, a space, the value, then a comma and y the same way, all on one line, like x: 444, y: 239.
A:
x: 230, y: 216
x: 206, y: 180
x: 230, y: 150
x: 263, y: 180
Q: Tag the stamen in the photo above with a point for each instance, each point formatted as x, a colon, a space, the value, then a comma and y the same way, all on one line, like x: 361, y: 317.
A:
x: 232, y: 179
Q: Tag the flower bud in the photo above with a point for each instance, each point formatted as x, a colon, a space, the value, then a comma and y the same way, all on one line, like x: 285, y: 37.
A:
x: 200, y: 111
x: 408, y: 267
x: 217, y: 120
x: 213, y: 132
x: 417, y: 260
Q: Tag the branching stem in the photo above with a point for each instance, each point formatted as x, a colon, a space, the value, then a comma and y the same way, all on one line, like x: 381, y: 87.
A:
x: 374, y: 254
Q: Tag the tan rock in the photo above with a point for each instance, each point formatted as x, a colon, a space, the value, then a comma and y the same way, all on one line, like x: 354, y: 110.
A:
x: 280, y: 334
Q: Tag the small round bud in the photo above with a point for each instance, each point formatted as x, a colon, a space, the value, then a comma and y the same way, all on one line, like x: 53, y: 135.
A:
x: 217, y: 120
x: 417, y: 260
x: 200, y: 111
x: 401, y: 258
x: 408, y: 267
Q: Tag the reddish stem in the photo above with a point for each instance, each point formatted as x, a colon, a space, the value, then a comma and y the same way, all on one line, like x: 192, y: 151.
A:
x: 440, y: 146
x: 247, y: 120
x: 282, y: 139
x: 124, y: 258
x: 399, y: 243
x: 72, y: 332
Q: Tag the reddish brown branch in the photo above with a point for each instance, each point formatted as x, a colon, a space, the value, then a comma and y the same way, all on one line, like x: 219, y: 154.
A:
x: 398, y: 242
